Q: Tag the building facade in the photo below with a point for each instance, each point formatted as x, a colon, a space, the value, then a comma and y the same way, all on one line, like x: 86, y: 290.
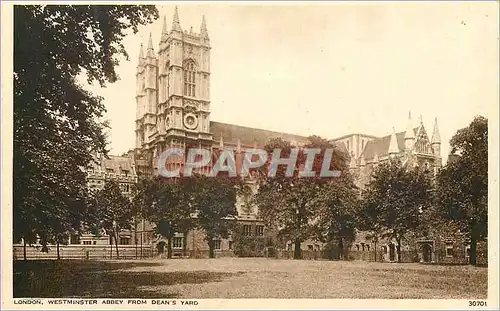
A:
x: 173, y: 111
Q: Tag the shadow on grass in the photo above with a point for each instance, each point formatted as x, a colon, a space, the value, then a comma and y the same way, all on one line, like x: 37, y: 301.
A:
x: 98, y: 279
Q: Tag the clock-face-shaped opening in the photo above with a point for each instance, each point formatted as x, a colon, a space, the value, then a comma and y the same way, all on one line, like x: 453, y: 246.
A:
x: 190, y: 121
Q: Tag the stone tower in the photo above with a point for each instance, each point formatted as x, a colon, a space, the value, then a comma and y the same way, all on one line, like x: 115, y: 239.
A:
x: 173, y: 95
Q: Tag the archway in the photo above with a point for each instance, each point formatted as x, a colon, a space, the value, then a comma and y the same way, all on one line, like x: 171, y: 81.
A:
x: 161, y: 247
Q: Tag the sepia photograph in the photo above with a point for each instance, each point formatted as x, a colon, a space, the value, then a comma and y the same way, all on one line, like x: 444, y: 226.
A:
x: 157, y: 155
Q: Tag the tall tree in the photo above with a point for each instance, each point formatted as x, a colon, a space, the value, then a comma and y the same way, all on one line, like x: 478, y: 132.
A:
x: 395, y: 198
x: 111, y: 211
x: 288, y: 202
x: 57, y: 124
x: 214, y: 201
x: 462, y: 185
x: 335, y: 220
x: 167, y: 202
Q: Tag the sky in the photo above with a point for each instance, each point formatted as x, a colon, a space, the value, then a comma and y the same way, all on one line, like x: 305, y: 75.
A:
x: 332, y: 69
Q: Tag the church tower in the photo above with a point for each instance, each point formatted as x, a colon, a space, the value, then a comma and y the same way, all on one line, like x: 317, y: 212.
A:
x: 173, y: 97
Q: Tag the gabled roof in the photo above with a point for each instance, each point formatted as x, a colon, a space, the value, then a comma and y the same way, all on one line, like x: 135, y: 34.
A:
x: 117, y: 164
x: 381, y: 145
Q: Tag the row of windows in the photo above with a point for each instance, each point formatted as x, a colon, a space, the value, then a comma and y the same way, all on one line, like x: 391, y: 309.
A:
x: 363, y: 247
x: 247, y: 230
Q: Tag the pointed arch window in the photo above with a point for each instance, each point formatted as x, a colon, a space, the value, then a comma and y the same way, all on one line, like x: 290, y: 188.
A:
x: 190, y: 79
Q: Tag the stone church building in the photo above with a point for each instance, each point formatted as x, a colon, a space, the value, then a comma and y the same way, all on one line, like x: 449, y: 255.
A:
x: 173, y: 110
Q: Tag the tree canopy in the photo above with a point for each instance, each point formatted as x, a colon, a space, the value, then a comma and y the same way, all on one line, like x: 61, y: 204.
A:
x: 462, y: 185
x: 58, y: 125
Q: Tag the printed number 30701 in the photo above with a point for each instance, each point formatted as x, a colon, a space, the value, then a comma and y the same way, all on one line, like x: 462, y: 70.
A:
x: 477, y: 303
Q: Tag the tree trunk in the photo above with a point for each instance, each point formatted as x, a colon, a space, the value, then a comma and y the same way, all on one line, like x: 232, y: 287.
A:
x: 169, y: 248
x: 58, y: 254
x: 111, y: 247
x: 473, y: 251
x: 116, y: 244
x: 296, y: 253
x: 211, y: 253
x: 375, y: 246
x: 24, y: 249
x: 399, y: 249
x: 341, y: 249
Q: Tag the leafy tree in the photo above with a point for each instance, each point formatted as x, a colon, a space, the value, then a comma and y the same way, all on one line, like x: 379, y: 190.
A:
x: 214, y: 200
x: 288, y: 203
x: 167, y: 202
x: 394, y: 199
x: 57, y: 124
x: 338, y: 204
x: 462, y: 185
x: 111, y: 211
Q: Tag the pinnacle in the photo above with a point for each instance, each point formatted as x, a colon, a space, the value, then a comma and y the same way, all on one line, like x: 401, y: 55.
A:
x: 150, y: 52
x: 409, y: 129
x: 393, y: 145
x: 176, y: 26
x: 203, y: 30
x: 436, y: 138
x: 164, y: 31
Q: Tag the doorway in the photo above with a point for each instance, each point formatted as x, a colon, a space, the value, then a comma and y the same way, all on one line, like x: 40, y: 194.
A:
x: 161, y: 247
x: 427, y: 252
x: 392, y: 252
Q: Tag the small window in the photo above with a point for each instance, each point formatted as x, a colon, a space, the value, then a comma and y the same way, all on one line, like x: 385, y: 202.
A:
x: 87, y: 242
x: 247, y: 230
x: 467, y: 251
x: 363, y: 247
x: 357, y: 247
x: 310, y: 247
x: 217, y: 244
x: 259, y: 230
x: 75, y: 239
x: 177, y: 242
x: 94, y: 242
x: 124, y: 241
x: 367, y: 247
x: 449, y: 250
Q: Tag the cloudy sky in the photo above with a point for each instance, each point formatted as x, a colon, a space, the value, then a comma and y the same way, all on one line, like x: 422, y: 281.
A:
x: 333, y: 69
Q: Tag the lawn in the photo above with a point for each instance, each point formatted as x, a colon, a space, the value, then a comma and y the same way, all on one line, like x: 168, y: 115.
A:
x: 246, y: 278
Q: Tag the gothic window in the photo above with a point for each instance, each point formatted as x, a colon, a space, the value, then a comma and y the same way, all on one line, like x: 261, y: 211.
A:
x: 189, y: 79
x: 348, y: 145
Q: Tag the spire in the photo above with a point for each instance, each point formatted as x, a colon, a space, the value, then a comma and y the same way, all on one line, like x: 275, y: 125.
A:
x: 203, y: 30
x: 410, y: 134
x: 176, y: 26
x: 436, y: 138
x: 393, y: 145
x: 141, y: 53
x: 164, y: 31
x: 221, y: 143
x: 151, y: 51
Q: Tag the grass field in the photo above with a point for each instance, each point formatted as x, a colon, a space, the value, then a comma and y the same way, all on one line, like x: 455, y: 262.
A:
x: 246, y: 278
